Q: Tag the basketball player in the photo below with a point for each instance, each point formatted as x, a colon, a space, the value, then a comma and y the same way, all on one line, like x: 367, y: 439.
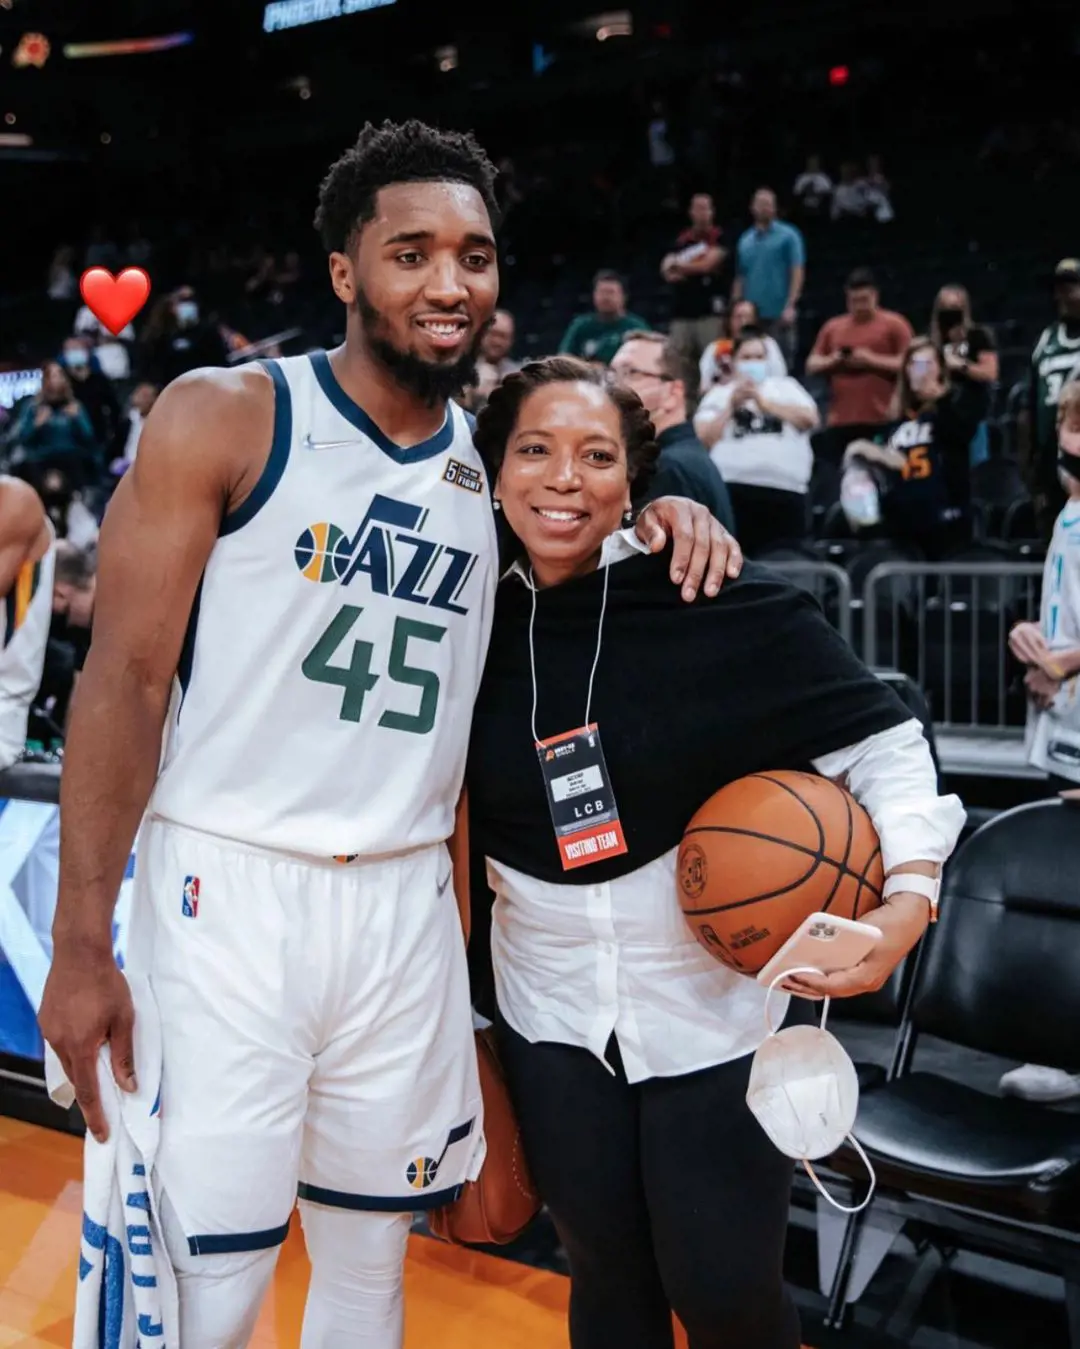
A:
x: 296, y: 583
x: 27, y: 557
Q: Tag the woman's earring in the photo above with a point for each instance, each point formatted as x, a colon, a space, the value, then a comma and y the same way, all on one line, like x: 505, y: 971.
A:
x: 627, y: 518
x: 496, y: 504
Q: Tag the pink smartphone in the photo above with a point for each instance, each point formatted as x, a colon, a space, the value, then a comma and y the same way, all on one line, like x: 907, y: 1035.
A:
x: 823, y: 942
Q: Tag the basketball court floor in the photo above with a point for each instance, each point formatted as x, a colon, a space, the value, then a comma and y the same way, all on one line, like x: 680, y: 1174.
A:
x: 456, y: 1299
x: 459, y: 1299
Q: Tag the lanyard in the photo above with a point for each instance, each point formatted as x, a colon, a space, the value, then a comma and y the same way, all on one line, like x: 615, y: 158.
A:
x: 596, y: 657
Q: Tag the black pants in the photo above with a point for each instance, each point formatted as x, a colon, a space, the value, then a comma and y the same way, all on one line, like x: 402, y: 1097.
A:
x: 667, y: 1196
x: 768, y: 515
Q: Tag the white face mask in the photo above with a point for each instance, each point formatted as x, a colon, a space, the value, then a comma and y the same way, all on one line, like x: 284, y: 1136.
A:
x: 805, y: 1094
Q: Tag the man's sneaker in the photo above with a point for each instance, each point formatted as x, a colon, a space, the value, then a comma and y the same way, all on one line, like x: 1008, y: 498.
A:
x: 1032, y: 1082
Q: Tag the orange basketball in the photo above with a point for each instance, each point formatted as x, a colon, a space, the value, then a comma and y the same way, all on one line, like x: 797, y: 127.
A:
x: 764, y: 853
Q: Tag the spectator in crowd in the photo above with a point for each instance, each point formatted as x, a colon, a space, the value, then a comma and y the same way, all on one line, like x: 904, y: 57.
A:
x: 928, y: 501
x: 598, y: 335
x: 112, y: 352
x: 971, y: 355
x: 65, y: 506
x: 92, y: 389
x: 813, y: 190
x: 54, y: 429
x: 1054, y: 361
x: 74, y: 592
x: 61, y: 284
x: 848, y: 198
x: 101, y: 252
x: 860, y: 353
x: 758, y: 430
x: 1050, y: 649
x: 139, y: 250
x: 693, y: 271
x: 771, y: 270
x: 661, y: 155
x: 655, y: 368
x: 876, y: 192
x: 715, y: 364
x: 494, y: 362
x: 178, y: 338
x: 125, y: 444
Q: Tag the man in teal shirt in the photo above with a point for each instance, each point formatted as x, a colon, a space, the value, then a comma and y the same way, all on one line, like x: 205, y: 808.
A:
x: 598, y: 336
x: 770, y: 269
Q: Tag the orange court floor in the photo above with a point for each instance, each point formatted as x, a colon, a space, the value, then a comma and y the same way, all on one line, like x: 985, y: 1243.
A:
x: 454, y: 1298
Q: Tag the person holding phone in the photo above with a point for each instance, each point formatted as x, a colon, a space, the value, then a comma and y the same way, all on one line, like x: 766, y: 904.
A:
x: 626, y: 1046
x: 757, y: 430
x: 928, y: 501
x: 859, y: 352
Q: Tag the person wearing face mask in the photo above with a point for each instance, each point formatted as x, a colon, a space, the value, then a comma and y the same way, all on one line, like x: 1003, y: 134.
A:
x: 971, y: 358
x: 179, y: 338
x: 715, y: 364
x: 654, y: 368
x: 627, y: 1048
x: 54, y: 429
x: 93, y: 390
x: 758, y: 431
x: 925, y: 450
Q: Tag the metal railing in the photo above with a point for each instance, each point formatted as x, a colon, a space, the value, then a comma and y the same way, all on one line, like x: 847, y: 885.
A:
x: 829, y: 584
x: 947, y: 625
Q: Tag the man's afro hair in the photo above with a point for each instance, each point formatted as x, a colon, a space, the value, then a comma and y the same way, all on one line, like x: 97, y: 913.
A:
x: 396, y: 152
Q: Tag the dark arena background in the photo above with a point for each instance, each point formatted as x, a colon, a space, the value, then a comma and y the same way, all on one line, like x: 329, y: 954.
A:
x: 189, y: 140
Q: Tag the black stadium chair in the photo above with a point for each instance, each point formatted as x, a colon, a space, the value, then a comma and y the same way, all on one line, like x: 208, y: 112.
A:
x: 1000, y: 974
x: 1019, y: 521
x: 997, y: 484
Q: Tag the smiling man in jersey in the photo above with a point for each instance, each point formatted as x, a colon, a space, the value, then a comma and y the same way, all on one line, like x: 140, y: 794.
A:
x: 295, y: 588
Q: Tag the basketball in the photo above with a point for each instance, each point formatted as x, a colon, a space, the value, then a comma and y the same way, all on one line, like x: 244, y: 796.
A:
x: 764, y: 853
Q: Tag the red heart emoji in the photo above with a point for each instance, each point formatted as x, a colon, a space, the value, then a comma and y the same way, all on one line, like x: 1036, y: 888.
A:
x: 114, y: 300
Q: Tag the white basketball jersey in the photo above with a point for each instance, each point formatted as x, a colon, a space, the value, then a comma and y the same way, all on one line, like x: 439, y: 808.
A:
x: 26, y: 615
x: 326, y: 685
x: 1054, y: 735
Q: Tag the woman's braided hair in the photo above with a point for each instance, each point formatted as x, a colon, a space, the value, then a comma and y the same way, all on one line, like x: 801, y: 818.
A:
x: 496, y: 421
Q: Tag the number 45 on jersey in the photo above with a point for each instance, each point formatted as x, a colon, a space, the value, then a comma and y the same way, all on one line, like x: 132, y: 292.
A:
x: 357, y: 679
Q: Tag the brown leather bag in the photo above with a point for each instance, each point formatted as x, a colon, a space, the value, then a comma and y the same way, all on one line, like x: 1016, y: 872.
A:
x: 502, y: 1201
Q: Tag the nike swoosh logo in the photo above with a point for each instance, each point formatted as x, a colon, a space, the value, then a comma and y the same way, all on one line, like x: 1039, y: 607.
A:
x: 310, y: 444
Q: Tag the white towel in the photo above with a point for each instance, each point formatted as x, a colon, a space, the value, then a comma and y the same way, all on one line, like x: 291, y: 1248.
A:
x: 126, y: 1296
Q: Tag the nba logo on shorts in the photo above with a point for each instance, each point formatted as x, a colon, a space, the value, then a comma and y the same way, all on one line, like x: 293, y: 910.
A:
x: 190, y: 905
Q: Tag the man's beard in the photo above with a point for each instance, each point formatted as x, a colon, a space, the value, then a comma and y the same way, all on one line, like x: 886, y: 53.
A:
x: 431, y: 383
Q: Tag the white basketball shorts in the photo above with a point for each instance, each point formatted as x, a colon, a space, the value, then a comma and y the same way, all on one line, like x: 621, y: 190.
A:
x: 317, y: 1033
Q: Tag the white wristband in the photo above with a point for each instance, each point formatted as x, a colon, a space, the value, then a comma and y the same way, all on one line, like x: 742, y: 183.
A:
x: 913, y: 883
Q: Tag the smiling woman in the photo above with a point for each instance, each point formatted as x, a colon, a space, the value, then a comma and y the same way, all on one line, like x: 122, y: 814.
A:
x: 626, y: 1046
x: 571, y: 450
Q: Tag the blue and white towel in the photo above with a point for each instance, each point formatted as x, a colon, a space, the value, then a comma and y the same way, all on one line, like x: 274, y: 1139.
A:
x: 126, y: 1296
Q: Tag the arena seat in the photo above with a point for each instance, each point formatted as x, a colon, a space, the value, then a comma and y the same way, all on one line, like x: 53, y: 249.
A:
x: 1019, y: 522
x: 1000, y: 974
x: 996, y: 485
